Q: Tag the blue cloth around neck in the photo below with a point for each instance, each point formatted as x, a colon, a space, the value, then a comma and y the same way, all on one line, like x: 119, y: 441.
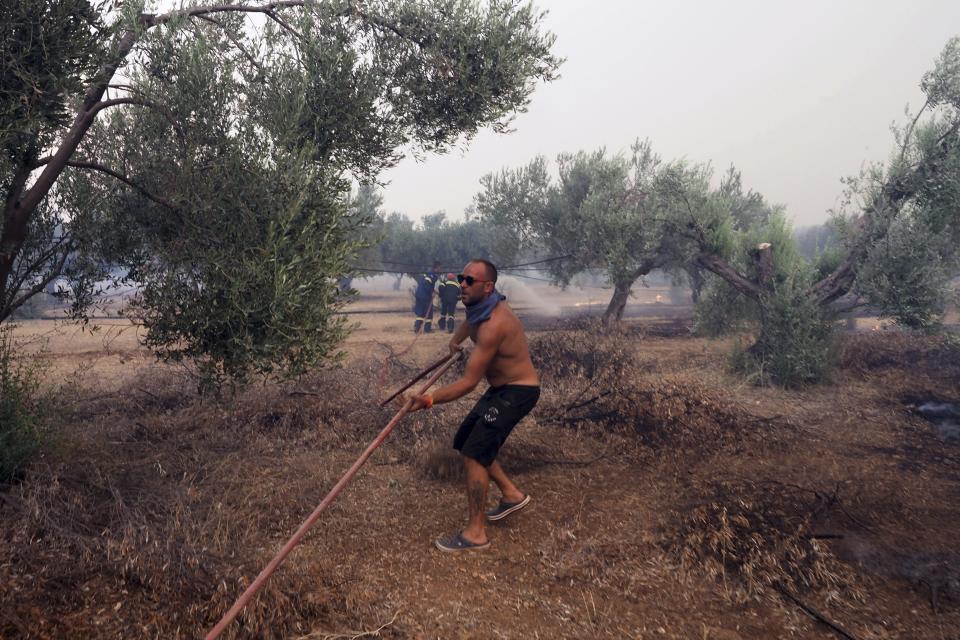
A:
x: 481, y: 311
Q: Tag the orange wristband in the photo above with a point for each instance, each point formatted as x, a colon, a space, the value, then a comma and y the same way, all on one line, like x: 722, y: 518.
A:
x: 429, y: 401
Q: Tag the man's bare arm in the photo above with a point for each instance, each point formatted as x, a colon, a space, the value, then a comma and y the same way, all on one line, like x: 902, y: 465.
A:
x: 461, y: 334
x: 489, y: 337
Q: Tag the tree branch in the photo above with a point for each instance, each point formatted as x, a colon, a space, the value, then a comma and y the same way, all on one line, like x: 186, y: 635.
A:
x: 763, y: 258
x: 909, y: 132
x: 714, y: 263
x: 269, y: 9
x: 377, y: 21
x: 143, y: 102
x: 283, y: 24
x: 22, y: 273
x: 812, y: 612
x: 949, y: 132
x: 83, y: 164
x: 39, y: 162
x: 7, y: 309
x: 112, y: 102
x: 893, y: 193
x: 236, y: 43
x: 659, y: 258
x: 848, y: 302
x: 152, y: 20
x: 841, y: 278
x: 19, y: 210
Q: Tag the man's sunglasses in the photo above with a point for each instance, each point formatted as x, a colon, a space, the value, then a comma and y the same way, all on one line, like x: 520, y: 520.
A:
x: 469, y: 279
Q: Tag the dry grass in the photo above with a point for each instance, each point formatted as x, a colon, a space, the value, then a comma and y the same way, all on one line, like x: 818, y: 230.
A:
x: 654, y: 505
x: 178, y: 492
x: 936, y: 355
x: 752, y: 537
x: 756, y: 539
x: 594, y: 380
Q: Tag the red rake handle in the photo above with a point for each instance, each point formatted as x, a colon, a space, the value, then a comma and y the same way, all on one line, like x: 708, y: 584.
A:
x: 420, y: 375
x: 261, y: 579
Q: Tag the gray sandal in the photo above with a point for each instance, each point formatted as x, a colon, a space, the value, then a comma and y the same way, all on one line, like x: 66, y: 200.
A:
x: 456, y: 542
x: 504, y: 509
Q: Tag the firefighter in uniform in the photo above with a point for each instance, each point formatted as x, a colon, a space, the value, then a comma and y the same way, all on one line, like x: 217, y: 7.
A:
x: 449, y: 296
x: 423, y: 299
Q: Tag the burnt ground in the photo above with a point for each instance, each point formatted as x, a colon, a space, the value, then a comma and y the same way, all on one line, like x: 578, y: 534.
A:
x: 677, y: 502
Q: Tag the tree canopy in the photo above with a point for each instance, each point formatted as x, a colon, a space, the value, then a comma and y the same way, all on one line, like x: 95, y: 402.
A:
x: 210, y: 155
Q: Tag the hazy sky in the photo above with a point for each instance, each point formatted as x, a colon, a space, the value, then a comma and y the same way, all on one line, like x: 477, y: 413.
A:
x: 795, y: 94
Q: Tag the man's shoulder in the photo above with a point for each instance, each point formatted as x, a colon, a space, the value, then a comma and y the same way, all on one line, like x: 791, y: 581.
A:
x: 503, y: 320
x: 501, y: 311
x: 505, y: 312
x: 494, y: 327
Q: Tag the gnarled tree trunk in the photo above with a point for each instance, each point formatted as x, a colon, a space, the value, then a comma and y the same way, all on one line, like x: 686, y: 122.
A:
x: 618, y: 303
x: 621, y: 292
x: 695, y: 276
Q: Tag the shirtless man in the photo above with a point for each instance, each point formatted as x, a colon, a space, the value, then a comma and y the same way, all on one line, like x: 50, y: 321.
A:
x: 501, y: 355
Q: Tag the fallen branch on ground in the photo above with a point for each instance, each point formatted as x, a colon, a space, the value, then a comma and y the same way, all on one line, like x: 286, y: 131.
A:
x: 570, y: 462
x: 351, y: 635
x: 816, y: 615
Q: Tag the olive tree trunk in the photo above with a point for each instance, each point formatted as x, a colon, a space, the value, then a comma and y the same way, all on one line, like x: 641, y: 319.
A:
x: 618, y: 303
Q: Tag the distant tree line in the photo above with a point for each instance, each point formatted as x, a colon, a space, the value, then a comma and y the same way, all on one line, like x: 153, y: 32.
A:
x: 394, y: 243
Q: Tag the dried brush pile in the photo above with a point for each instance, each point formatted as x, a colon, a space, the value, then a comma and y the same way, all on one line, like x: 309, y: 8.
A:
x: 161, y: 506
x: 593, y: 378
x: 757, y: 539
x: 936, y: 355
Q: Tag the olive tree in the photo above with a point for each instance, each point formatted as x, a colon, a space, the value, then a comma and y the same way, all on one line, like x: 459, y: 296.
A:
x: 208, y: 150
x: 507, y: 204
x: 601, y: 212
x: 898, y: 235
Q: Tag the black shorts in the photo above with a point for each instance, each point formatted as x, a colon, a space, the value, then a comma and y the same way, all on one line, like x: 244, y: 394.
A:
x: 486, y: 427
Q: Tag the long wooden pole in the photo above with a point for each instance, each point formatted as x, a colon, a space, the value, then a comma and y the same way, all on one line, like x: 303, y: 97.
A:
x: 418, y: 377
x: 309, y: 522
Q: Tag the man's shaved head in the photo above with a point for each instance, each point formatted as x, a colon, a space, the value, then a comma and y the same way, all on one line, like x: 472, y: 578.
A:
x: 491, y: 269
x: 481, y: 276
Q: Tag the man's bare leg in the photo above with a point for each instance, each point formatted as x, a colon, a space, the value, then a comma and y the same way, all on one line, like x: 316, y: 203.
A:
x: 478, y: 479
x: 508, y: 490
